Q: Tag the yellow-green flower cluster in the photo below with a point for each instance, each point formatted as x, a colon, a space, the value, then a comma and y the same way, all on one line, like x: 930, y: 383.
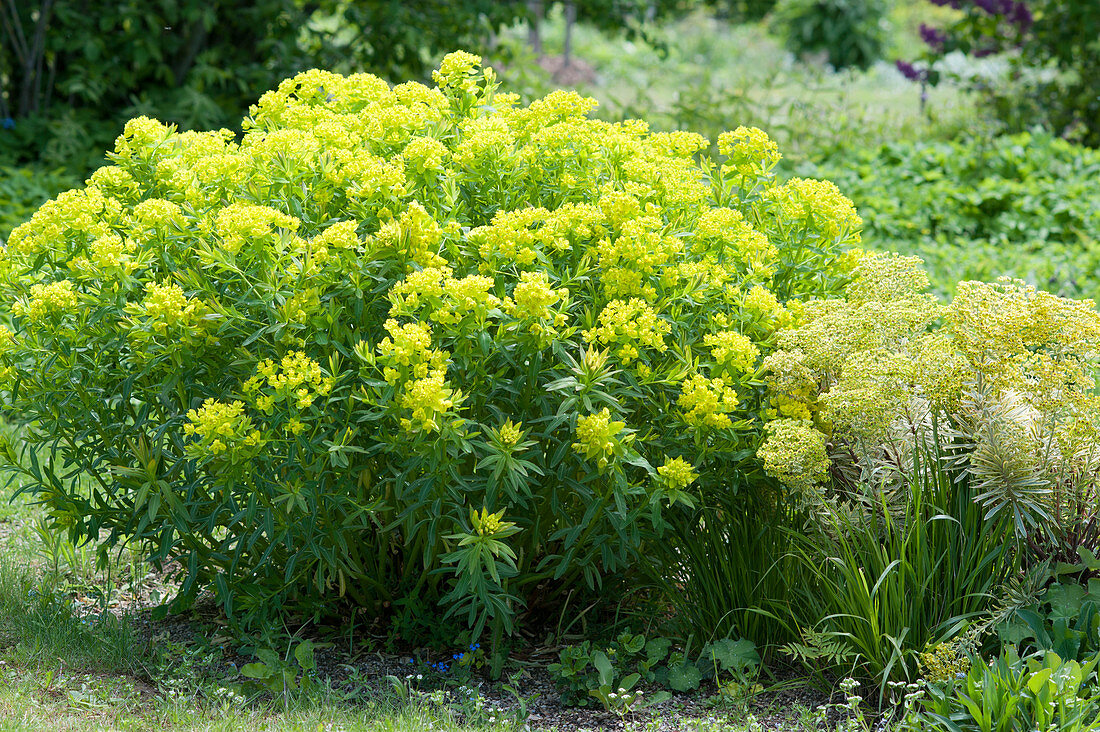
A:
x: 874, y: 388
x: 509, y: 237
x: 427, y: 400
x: 678, y: 472
x: 723, y: 233
x: 940, y: 370
x: 734, y: 352
x: 489, y: 524
x: 749, y: 151
x: 632, y: 259
x: 943, y: 662
x: 46, y: 300
x: 157, y: 213
x: 414, y: 237
x: 7, y: 345
x: 887, y: 278
x: 340, y: 235
x: 433, y: 292
x: 425, y: 155
x: 830, y: 330
x: 74, y: 217
x: 222, y: 430
x: 707, y: 402
x: 241, y: 223
x: 410, y: 363
x: 483, y: 140
x: 456, y: 68
x: 111, y: 251
x: 366, y: 177
x: 511, y: 433
x: 166, y: 307
x: 856, y: 367
x: 763, y: 304
x: 631, y: 325
x: 598, y: 436
x: 407, y: 351
x: 533, y: 296
x: 1032, y: 342
x: 793, y: 384
x: 820, y: 204
x: 295, y: 381
x: 140, y: 135
x: 796, y: 454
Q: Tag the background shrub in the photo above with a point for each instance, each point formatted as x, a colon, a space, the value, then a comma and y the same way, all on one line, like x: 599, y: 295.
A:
x: 406, y: 342
x: 851, y: 33
x: 1052, y: 60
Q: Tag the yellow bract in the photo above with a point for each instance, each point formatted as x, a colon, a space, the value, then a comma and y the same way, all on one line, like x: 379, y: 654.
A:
x: 222, y: 430
x: 597, y: 436
x: 45, y: 300
x: 631, y: 325
x: 707, y: 402
x: 678, y: 472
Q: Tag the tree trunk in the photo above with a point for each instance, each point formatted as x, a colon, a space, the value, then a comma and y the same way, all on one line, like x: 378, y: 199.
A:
x: 32, y: 57
x: 567, y: 44
x: 534, y: 39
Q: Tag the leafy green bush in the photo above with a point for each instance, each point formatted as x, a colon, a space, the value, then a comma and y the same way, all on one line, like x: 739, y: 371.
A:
x: 851, y: 33
x: 1024, y: 206
x: 23, y: 190
x: 75, y: 64
x: 406, y: 342
x: 1065, y: 619
x: 1041, y: 692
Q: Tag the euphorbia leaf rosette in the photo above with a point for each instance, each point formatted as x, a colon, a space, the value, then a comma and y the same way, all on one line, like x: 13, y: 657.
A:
x: 387, y: 306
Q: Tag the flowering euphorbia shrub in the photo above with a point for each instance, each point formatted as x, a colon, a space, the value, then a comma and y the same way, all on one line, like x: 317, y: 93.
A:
x: 406, y: 341
x: 1003, y: 377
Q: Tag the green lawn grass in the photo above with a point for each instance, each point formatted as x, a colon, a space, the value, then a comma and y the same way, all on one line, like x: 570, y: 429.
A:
x: 63, y: 669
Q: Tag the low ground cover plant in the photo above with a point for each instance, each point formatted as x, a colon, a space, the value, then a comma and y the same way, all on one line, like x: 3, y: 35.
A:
x: 979, y: 208
x: 1013, y: 693
x: 406, y: 345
